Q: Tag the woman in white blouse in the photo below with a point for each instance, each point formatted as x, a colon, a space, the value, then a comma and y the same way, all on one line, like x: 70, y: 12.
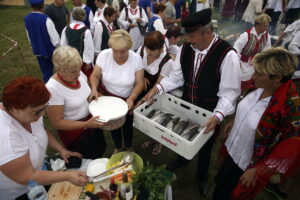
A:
x: 24, y: 140
x: 68, y: 106
x: 264, y: 118
x: 119, y: 72
x: 133, y: 19
x: 157, y: 64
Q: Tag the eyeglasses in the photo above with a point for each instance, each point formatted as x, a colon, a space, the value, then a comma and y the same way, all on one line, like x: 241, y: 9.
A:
x: 38, y: 112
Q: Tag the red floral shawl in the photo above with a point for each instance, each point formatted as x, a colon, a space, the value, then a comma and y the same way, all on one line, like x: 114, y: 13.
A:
x: 277, y: 140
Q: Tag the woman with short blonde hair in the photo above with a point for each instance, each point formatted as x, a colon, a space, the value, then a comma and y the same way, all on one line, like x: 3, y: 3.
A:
x: 265, y: 125
x: 66, y: 58
x: 262, y: 19
x: 120, y: 39
x: 119, y: 72
x: 276, y: 61
x: 68, y: 105
x: 251, y: 42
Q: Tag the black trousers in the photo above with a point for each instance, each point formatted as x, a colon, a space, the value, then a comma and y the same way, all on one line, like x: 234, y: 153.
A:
x: 227, y: 179
x: 204, y: 156
x: 22, y: 197
x: 125, y: 132
x: 90, y: 144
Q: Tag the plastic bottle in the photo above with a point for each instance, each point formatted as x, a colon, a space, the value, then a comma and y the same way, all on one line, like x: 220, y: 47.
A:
x: 126, y: 188
x: 36, y: 191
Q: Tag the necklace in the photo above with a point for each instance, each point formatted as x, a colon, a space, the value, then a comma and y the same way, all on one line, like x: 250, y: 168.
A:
x: 71, y: 85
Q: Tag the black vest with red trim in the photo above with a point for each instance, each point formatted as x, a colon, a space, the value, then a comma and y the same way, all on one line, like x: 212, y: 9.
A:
x: 105, y: 36
x: 202, y: 90
x: 75, y: 38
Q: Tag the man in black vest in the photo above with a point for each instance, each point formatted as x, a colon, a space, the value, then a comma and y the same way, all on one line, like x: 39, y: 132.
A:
x: 209, y: 70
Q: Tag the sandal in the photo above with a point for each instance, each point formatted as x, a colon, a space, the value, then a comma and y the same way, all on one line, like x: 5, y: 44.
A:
x: 147, y: 144
x: 157, y: 149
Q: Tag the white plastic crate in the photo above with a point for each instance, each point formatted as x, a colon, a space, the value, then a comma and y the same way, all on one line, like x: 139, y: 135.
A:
x: 183, y: 109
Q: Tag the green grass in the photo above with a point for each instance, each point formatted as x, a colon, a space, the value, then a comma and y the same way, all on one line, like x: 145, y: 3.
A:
x: 16, y: 62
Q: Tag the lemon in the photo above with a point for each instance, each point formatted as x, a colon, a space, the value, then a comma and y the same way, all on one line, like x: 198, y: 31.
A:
x: 90, y: 187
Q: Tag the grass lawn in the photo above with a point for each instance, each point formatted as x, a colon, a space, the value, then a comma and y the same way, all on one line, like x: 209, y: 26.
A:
x: 20, y: 62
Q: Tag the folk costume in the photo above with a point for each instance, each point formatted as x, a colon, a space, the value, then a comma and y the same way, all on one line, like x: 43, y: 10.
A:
x: 118, y: 80
x: 128, y: 16
x: 89, y: 142
x: 44, y: 38
x: 211, y: 80
x: 77, y: 35
x: 161, y: 66
x: 262, y: 131
x: 99, y: 14
x: 247, y: 46
x: 102, y: 34
x: 156, y: 24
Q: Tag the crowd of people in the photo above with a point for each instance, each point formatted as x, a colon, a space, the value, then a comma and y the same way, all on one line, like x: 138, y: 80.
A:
x: 135, y: 50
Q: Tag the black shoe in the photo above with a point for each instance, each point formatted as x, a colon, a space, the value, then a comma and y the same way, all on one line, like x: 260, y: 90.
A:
x: 275, y: 190
x: 175, y: 165
x: 203, y: 188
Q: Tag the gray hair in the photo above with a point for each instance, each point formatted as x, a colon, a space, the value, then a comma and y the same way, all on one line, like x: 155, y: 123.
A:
x: 78, y: 14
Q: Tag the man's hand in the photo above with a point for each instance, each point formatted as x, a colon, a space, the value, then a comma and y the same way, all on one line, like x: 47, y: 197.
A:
x: 228, y: 126
x: 149, y: 96
x: 249, y: 178
x: 211, y: 124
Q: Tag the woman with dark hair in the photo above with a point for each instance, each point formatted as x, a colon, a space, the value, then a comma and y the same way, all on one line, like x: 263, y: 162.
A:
x: 103, y: 29
x: 133, y: 19
x: 24, y: 140
x: 156, y: 21
x: 157, y: 64
x: 266, y: 124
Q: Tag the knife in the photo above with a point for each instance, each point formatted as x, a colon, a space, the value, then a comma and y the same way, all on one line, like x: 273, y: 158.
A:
x: 92, y: 196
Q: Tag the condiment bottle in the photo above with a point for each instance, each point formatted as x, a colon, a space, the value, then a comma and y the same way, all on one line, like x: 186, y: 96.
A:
x: 126, y: 192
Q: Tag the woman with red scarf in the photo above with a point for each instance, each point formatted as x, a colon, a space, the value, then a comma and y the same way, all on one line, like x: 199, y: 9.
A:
x: 68, y: 105
x: 265, y: 125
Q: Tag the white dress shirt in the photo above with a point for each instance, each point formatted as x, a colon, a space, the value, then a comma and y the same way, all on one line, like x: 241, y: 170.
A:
x: 294, y: 46
x: 135, y: 33
x: 99, y: 14
x: 154, y: 66
x: 254, y: 7
x: 98, y: 34
x: 88, y: 52
x: 240, y: 143
x: 159, y: 26
x: 293, y: 4
x: 247, y: 68
x: 230, y: 83
x: 53, y: 34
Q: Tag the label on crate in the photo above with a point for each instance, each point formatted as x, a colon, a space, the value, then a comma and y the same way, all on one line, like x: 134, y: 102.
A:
x: 168, y: 140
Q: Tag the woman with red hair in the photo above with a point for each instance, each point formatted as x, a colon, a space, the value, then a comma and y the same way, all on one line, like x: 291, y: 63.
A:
x: 24, y: 140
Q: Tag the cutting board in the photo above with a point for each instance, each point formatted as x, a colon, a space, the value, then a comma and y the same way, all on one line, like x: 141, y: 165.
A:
x: 64, y: 191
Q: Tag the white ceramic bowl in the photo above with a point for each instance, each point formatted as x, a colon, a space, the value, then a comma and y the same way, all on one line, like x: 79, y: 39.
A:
x: 112, y: 111
x: 96, y: 167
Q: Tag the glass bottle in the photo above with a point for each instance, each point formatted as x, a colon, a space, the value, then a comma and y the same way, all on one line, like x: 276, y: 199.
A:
x: 126, y: 192
x: 36, y: 191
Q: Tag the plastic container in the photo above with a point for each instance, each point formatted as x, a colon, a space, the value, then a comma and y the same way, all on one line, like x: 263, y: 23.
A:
x: 36, y: 191
x: 183, y: 109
